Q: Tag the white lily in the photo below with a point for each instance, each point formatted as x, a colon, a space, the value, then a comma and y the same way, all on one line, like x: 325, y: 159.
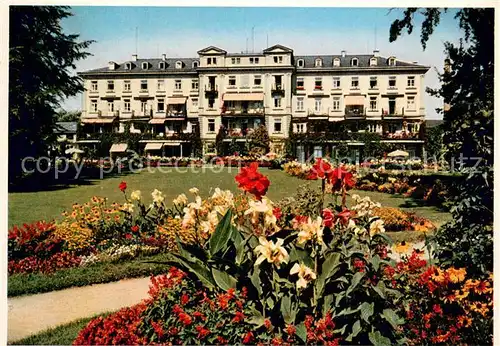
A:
x: 311, y: 230
x: 306, y: 274
x: 135, y: 195
x: 376, y: 227
x: 273, y: 253
x: 157, y: 196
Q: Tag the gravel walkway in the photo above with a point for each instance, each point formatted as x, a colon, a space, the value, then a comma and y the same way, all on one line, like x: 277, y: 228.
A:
x: 32, y: 314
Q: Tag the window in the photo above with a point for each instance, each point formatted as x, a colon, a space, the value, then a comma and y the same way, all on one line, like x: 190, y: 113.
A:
x: 336, y: 103
x: 277, y: 125
x: 93, y: 106
x: 194, y: 84
x: 93, y: 85
x: 373, y: 103
x: 300, y: 63
x: 235, y: 61
x: 354, y: 62
x: 373, y: 61
x: 300, y: 128
x: 126, y: 105
x: 161, y: 84
x: 392, y: 61
x: 211, y: 61
x: 195, y: 64
x: 318, y: 83
x: 144, y: 106
x: 211, y: 125
x: 336, y: 62
x: 160, y: 105
x: 111, y: 85
x: 254, y: 60
x: 373, y: 82
x: 144, y: 84
x: 257, y: 80
x: 278, y: 59
x: 410, y: 102
x: 411, y: 81
x: 232, y: 81
x: 211, y: 102
x: 178, y: 64
x: 195, y: 103
x: 277, y: 101
x: 161, y: 65
x: 354, y: 82
x: 300, y: 103
x: 126, y: 85
x: 111, y: 106
x: 178, y: 84
x: 336, y: 82
x: 145, y: 65
x: 318, y: 62
x: 128, y: 66
x: 300, y: 83
x: 317, y: 105
x: 392, y: 82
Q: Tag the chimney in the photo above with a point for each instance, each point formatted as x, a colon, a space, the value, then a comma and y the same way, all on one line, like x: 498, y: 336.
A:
x: 134, y: 57
x: 376, y: 53
x: 111, y: 65
x: 164, y: 57
x: 342, y: 53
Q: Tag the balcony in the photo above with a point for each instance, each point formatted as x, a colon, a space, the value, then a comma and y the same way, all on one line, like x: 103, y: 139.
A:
x: 211, y: 91
x: 174, y: 112
x: 109, y: 114
x: 318, y: 113
x: 393, y: 112
x: 143, y: 114
x: 278, y: 88
x: 355, y: 111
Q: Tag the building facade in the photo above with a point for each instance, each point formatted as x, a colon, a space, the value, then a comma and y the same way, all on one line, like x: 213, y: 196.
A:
x: 312, y: 103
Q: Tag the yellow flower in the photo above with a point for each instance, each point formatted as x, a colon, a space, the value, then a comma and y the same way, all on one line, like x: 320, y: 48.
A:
x: 376, y: 227
x: 157, y: 196
x: 181, y: 199
x: 306, y: 274
x: 194, y: 190
x: 273, y: 253
x: 461, y: 294
x: 456, y: 275
x: 136, y: 195
x: 311, y: 230
x: 402, y: 247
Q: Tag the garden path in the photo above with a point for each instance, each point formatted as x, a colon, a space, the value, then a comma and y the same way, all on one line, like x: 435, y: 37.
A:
x: 35, y: 313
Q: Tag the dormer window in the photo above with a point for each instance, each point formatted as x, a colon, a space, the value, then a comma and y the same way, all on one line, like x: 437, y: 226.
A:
x: 278, y: 59
x: 300, y: 63
x: 178, y: 64
x: 195, y: 64
x: 336, y: 62
x: 318, y: 62
x: 354, y: 62
x: 128, y: 66
x: 392, y: 61
x: 145, y: 65
x: 161, y: 65
x: 373, y: 61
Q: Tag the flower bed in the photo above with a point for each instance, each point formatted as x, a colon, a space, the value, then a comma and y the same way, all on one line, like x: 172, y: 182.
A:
x: 159, y: 161
x: 257, y: 273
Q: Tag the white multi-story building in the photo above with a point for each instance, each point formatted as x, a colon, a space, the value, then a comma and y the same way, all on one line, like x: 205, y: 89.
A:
x: 315, y: 102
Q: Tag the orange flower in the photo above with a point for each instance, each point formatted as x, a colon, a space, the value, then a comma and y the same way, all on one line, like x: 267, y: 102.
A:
x: 456, y: 275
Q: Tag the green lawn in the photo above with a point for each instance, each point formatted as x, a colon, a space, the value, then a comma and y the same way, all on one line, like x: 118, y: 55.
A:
x: 25, y: 207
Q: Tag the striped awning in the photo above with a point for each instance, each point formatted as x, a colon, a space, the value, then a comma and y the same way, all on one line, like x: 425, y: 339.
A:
x: 177, y: 100
x: 244, y: 97
x: 97, y: 120
x: 118, y: 148
x: 357, y: 100
x: 157, y: 121
x: 153, y: 146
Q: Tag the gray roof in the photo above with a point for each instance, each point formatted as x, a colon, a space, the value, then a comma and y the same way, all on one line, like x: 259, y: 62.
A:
x: 433, y: 123
x: 65, y: 127
x: 154, y: 66
x: 363, y: 61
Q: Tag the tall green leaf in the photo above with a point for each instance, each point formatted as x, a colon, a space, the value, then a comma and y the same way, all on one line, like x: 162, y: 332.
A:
x: 356, y: 328
x: 201, y: 272
x: 391, y: 317
x: 218, y: 240
x: 356, y: 278
x: 287, y: 310
x: 378, y: 339
x: 224, y: 280
x: 301, y: 332
x: 328, y: 269
x: 366, y: 310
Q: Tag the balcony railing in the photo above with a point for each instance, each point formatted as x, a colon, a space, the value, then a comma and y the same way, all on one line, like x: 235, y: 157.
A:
x: 278, y: 88
x: 143, y: 114
x: 393, y: 112
x: 318, y: 113
x: 176, y: 112
x: 243, y: 111
x: 211, y: 90
x: 355, y: 111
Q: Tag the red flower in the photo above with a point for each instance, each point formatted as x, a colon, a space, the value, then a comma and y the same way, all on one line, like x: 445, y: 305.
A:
x: 199, y: 315
x: 320, y: 170
x: 339, y: 178
x: 221, y: 340
x: 248, y: 338
x: 252, y: 181
x: 185, y: 319
x: 437, y: 309
x: 184, y: 299
x: 202, y: 332
x: 290, y: 330
x: 122, y: 186
x: 359, y: 264
x: 128, y: 236
x: 158, y: 329
x: 238, y: 317
x: 327, y: 218
x: 268, y: 324
x: 135, y: 228
x: 343, y: 217
x: 277, y: 213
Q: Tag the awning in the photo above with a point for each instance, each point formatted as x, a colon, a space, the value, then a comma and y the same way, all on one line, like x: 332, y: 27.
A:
x: 172, y: 118
x: 354, y: 100
x: 172, y: 144
x: 153, y: 146
x: 176, y: 100
x: 244, y: 97
x: 97, y: 120
x: 118, y: 148
x: 157, y: 121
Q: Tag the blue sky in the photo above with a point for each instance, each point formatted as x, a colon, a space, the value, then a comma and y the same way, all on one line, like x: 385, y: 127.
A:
x: 182, y: 31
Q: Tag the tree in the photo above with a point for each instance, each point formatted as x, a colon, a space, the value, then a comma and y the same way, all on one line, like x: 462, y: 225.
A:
x: 467, y: 89
x: 40, y: 59
x: 434, y: 141
x: 63, y: 115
